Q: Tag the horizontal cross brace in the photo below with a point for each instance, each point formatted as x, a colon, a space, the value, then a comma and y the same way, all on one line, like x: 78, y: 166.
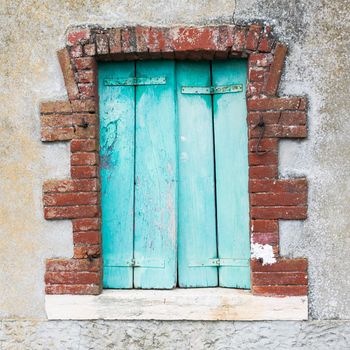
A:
x: 220, y: 262
x: 135, y: 81
x: 154, y: 263
x: 211, y: 90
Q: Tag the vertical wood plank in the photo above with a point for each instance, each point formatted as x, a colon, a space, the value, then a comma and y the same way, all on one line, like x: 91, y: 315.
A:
x: 231, y: 157
x: 197, y: 228
x: 155, y: 171
x: 117, y: 110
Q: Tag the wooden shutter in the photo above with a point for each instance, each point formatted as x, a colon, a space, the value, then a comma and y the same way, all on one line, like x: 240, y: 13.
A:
x: 171, y: 158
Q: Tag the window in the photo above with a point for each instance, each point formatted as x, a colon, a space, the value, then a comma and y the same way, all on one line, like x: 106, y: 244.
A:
x: 174, y: 174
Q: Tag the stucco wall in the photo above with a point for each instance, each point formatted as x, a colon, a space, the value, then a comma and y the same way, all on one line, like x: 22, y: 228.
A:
x: 317, y: 33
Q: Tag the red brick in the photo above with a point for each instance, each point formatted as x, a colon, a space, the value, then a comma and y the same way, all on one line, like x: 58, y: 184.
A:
x: 62, y: 186
x: 76, y: 198
x: 84, y: 172
x: 268, y: 118
x: 264, y: 225
x: 253, y: 37
x: 86, y: 224
x: 84, y: 106
x: 114, y: 36
x: 266, y: 41
x: 239, y: 40
x: 57, y: 134
x: 142, y: 38
x: 254, y: 89
x: 260, y: 59
x: 87, y: 237
x: 55, y: 107
x: 263, y: 146
x: 280, y: 290
x: 281, y: 131
x: 86, y: 251
x: 290, y: 185
x: 278, y: 103
x: 279, y: 278
x: 84, y: 158
x: 102, y: 47
x: 257, y: 74
x: 83, y: 145
x: 72, y: 278
x: 268, y: 158
x: 88, y: 289
x: 76, y: 51
x: 82, y: 132
x: 280, y: 212
x: 68, y: 74
x: 78, y: 36
x: 65, y: 265
x: 263, y: 172
x: 87, y: 90
x: 56, y: 120
x: 71, y: 212
x: 293, y: 118
x: 128, y: 38
x: 85, y: 63
x: 275, y: 199
x: 275, y: 70
x: 282, y: 265
x: 90, y: 49
x: 270, y: 238
x: 86, y: 76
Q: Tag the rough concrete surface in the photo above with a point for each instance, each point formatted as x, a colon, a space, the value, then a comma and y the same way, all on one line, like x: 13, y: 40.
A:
x: 317, y: 33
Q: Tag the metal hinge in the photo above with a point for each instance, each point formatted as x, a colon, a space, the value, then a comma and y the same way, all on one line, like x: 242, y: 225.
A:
x: 154, y: 263
x: 215, y: 262
x: 211, y: 90
x: 135, y: 81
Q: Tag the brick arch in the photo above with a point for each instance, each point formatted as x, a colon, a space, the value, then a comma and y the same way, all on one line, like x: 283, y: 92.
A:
x: 270, y: 118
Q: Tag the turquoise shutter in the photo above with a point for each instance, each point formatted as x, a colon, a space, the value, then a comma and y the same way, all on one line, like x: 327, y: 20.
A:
x: 156, y: 172
x: 117, y: 111
x: 152, y: 136
x: 197, y: 232
x: 231, y: 161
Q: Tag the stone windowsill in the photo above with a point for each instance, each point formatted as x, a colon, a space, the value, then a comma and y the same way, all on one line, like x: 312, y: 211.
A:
x: 177, y: 304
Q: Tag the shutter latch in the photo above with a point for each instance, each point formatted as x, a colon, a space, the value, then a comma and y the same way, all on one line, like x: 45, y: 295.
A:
x: 211, y: 90
x: 135, y: 81
x: 216, y: 262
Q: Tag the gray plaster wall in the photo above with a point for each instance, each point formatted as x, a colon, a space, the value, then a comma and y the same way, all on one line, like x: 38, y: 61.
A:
x: 317, y: 32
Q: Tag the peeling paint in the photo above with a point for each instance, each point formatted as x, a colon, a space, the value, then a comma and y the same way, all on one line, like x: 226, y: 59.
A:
x: 263, y: 252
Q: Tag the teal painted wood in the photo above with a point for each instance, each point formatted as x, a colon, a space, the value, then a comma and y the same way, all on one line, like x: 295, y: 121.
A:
x: 197, y: 231
x: 155, y: 175
x: 231, y: 157
x: 117, y: 110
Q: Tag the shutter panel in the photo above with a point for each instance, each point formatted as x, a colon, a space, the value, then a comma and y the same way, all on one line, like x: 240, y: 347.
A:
x: 231, y: 157
x: 117, y: 111
x: 197, y: 232
x: 155, y: 175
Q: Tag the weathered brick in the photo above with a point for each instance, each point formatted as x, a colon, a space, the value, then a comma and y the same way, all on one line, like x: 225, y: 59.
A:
x: 87, y: 145
x: 84, y: 172
x: 83, y: 185
x: 72, y: 277
x: 260, y: 59
x: 279, y: 212
x: 85, y: 63
x: 275, y: 70
x: 71, y: 212
x: 84, y: 158
x: 68, y: 74
x: 87, y: 224
x: 279, y: 278
x: 264, y: 225
x: 114, y: 36
x: 57, y: 134
x: 90, y: 49
x: 55, y: 107
x: 86, y: 76
x: 76, y: 51
x: 278, y: 103
x: 87, y: 237
x: 56, y: 120
x: 76, y: 198
x: 270, y: 238
x: 78, y: 36
x: 263, y: 172
x: 276, y: 199
x: 282, y: 265
x: 84, y: 106
x: 265, y: 144
x: 102, y: 46
x: 253, y: 37
x: 257, y: 74
x: 280, y: 290
x: 66, y: 265
x: 87, y: 90
x: 275, y: 186
x: 88, y: 289
x: 268, y: 158
x: 86, y: 251
x: 281, y: 131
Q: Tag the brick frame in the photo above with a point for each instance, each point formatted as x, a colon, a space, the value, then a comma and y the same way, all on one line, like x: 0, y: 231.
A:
x: 269, y: 118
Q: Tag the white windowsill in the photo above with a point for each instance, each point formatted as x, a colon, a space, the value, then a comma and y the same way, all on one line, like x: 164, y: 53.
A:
x: 177, y: 304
